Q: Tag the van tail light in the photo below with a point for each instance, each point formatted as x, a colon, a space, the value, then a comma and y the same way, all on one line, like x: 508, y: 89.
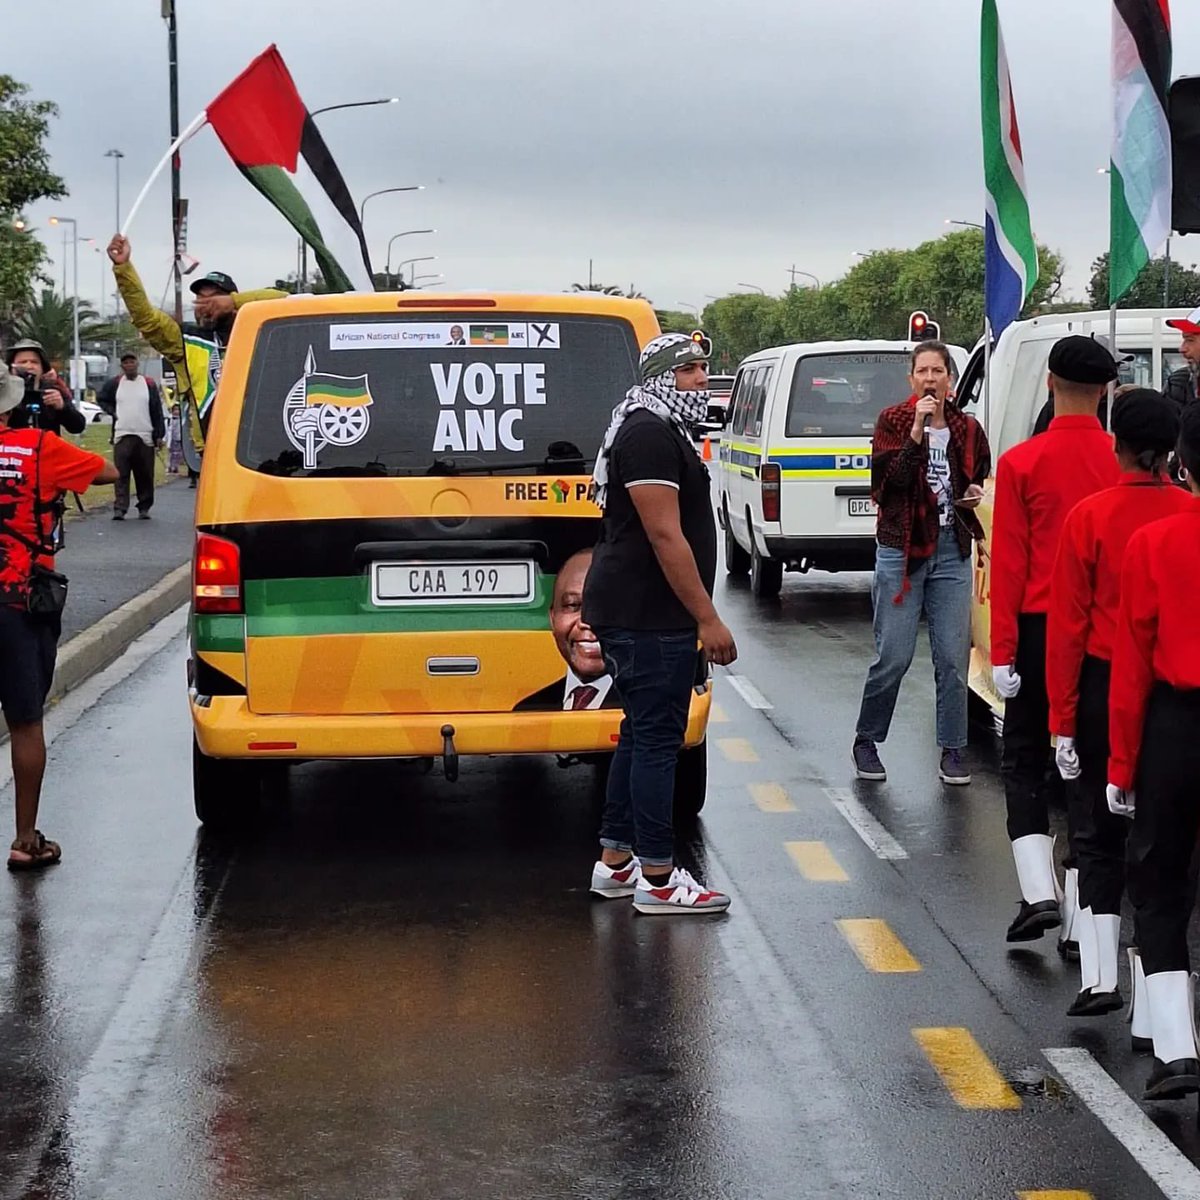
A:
x: 769, y: 476
x: 216, y: 575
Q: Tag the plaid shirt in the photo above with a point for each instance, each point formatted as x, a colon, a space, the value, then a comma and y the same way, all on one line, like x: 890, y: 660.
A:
x: 908, y: 511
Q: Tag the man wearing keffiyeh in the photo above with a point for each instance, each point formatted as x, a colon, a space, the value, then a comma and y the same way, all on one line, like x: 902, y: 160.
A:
x: 648, y: 598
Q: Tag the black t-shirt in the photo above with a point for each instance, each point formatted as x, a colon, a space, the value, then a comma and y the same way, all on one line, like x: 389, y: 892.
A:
x: 626, y: 588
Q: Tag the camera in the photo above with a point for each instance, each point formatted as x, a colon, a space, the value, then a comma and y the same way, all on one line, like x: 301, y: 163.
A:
x: 34, y: 399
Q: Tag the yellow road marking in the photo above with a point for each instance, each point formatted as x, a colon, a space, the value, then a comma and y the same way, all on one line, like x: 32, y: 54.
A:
x: 877, y: 946
x: 717, y: 715
x: 771, y: 797
x: 737, y: 750
x: 816, y: 862
x: 1055, y: 1196
x: 965, y: 1069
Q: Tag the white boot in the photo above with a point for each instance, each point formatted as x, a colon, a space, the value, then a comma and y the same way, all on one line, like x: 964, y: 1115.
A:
x: 1070, y: 909
x: 1172, y: 1015
x: 1140, y: 1031
x: 1108, y: 937
x: 1087, y: 935
x: 1034, y: 856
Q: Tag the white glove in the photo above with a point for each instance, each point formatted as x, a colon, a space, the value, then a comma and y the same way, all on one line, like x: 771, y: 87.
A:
x: 1066, y: 757
x: 1006, y: 681
x: 1120, y: 802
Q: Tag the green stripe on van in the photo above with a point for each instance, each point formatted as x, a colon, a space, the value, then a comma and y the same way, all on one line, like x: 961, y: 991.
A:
x: 219, y: 633
x: 342, y: 604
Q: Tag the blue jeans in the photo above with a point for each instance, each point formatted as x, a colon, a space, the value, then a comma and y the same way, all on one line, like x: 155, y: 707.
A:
x: 654, y: 673
x: 941, y: 587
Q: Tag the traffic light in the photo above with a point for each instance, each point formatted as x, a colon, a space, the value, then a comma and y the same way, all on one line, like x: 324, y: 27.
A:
x: 922, y: 329
x: 703, y: 341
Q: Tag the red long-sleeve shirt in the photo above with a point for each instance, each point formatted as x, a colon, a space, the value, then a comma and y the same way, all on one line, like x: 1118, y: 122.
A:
x: 1157, y: 636
x: 1085, y: 589
x: 1037, y: 484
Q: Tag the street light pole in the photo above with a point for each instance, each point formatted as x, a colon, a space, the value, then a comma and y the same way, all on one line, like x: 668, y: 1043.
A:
x: 75, y: 297
x: 754, y: 287
x: 362, y: 208
x: 116, y: 156
x: 968, y: 224
x: 410, y: 262
x: 168, y: 12
x: 406, y: 233
x: 793, y: 272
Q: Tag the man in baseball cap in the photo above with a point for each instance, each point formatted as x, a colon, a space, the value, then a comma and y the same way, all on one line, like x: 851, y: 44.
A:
x: 1183, y: 386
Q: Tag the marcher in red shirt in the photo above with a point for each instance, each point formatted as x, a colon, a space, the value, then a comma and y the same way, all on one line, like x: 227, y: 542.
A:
x: 1037, y: 484
x: 1154, y: 764
x: 36, y: 466
x: 1085, y: 595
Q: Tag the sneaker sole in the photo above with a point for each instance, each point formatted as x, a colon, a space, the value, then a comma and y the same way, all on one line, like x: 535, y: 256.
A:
x: 654, y: 910
x: 871, y: 776
x: 954, y: 780
x: 612, y: 893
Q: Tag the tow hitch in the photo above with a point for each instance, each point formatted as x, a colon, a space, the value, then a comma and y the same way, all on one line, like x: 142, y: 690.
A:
x: 449, y: 754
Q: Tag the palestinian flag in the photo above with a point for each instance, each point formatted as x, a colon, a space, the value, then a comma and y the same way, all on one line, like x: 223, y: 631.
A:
x: 1141, y: 155
x: 269, y: 134
x: 344, y: 391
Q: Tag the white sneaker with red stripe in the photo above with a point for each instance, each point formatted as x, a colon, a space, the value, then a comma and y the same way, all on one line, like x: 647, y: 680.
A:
x: 681, y: 894
x: 614, y: 884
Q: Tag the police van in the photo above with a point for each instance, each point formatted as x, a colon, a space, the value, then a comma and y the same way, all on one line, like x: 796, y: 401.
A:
x: 1018, y: 370
x: 795, y: 461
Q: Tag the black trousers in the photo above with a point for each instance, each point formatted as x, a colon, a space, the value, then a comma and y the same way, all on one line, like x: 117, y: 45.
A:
x: 1097, y: 837
x: 1026, y: 758
x: 131, y: 456
x: 1161, y: 863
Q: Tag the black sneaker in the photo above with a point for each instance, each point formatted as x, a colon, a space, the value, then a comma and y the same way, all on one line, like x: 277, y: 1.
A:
x: 143, y: 516
x: 118, y: 516
x: 953, y: 770
x: 1033, y: 920
x: 867, y: 764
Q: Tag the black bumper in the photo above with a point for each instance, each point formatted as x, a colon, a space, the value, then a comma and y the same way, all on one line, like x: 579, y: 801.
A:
x: 825, y: 554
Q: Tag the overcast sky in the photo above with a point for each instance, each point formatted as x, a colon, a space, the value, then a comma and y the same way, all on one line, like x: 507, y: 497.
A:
x: 685, y: 147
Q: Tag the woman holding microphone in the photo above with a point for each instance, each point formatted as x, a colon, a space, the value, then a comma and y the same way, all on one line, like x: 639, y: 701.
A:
x: 1085, y: 595
x: 928, y: 464
x: 1154, y: 763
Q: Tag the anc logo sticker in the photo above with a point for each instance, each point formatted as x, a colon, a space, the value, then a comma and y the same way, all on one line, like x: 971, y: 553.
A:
x: 325, y: 410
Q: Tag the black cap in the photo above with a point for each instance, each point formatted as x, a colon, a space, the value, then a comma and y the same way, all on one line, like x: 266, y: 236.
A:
x: 217, y: 279
x: 129, y: 354
x: 1144, y: 419
x: 1082, y: 360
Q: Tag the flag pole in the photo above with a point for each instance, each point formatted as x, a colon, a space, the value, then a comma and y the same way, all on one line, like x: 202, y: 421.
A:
x: 1112, y: 346
x: 987, y: 377
x: 163, y: 163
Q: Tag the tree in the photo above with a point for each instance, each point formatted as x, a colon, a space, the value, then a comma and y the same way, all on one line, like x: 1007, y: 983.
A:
x: 1147, y: 290
x: 25, y: 174
x: 672, y: 321
x: 50, y: 319
x: 25, y: 177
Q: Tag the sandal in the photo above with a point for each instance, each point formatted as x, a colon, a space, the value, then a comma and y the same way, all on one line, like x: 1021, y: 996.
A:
x: 38, y: 851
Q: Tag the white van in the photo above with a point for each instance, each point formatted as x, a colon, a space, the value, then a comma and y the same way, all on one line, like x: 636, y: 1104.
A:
x: 794, y: 469
x: 1018, y: 371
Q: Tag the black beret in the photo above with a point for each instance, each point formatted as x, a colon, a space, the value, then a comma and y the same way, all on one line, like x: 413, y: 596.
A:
x: 1082, y: 360
x: 1144, y: 419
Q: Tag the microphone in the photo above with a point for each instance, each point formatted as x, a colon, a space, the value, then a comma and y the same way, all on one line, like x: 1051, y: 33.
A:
x: 928, y: 416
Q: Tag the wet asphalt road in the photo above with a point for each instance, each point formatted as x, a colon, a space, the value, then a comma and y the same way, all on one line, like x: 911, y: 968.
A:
x: 397, y: 987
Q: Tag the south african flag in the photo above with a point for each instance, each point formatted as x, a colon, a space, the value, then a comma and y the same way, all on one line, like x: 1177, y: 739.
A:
x: 344, y: 391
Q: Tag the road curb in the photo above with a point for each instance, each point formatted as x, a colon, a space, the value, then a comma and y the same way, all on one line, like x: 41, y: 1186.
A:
x: 93, y: 649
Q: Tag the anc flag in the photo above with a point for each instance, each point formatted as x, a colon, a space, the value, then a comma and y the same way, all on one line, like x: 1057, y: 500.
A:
x: 344, y: 391
x: 269, y: 134
x: 489, y: 335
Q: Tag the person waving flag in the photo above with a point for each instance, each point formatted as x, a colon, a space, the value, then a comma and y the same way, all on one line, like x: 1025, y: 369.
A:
x: 1141, y: 152
x: 1011, y: 261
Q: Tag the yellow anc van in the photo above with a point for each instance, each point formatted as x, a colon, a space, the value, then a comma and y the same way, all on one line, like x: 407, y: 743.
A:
x: 392, y: 485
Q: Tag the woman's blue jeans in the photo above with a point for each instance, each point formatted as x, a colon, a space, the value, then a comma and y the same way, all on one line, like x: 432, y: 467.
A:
x: 654, y: 672
x: 941, y: 587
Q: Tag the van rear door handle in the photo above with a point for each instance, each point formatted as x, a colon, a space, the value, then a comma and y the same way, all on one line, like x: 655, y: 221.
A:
x: 847, y: 490
x: 452, y: 666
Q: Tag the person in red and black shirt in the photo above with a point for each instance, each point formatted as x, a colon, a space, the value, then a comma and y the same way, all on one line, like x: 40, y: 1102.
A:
x: 1085, y: 594
x: 1154, y: 763
x: 1037, y: 485
x: 928, y: 464
x: 36, y: 466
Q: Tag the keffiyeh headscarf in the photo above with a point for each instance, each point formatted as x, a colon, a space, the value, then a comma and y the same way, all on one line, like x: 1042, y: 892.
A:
x: 656, y: 392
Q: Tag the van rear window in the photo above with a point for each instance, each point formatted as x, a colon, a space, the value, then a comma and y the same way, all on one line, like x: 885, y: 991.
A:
x: 442, y: 394
x: 840, y: 395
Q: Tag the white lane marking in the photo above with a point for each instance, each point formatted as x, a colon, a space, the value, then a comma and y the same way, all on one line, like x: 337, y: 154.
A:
x: 77, y: 703
x: 748, y: 692
x: 881, y: 843
x: 1155, y: 1153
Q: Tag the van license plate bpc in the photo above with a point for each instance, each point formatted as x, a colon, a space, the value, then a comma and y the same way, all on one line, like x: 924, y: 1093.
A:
x: 465, y: 582
x: 864, y: 507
